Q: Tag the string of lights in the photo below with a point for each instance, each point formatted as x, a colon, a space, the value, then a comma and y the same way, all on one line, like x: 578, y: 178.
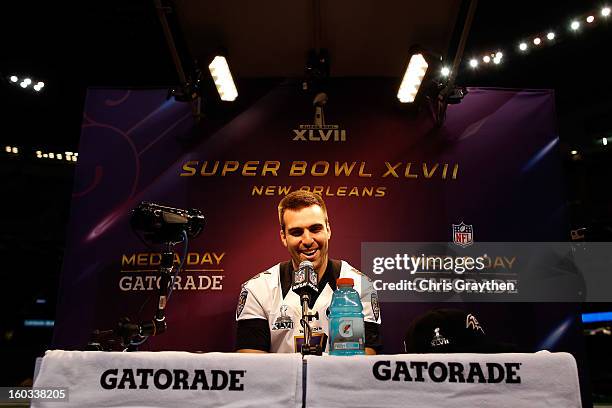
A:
x: 535, y: 41
x: 40, y: 154
x: 25, y: 83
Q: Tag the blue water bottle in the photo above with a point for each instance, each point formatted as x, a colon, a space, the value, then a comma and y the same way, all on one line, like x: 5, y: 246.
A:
x: 346, y: 331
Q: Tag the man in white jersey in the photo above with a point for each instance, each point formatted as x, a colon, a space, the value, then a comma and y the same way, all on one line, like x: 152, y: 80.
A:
x: 268, y: 313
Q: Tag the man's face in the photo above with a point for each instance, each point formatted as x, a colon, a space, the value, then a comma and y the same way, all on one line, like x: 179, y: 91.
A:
x: 306, y: 236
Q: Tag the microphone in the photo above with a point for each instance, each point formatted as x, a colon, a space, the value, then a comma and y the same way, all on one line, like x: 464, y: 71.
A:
x: 305, y: 281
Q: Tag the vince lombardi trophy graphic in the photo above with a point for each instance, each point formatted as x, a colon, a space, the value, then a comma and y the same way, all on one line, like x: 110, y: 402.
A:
x: 319, y: 100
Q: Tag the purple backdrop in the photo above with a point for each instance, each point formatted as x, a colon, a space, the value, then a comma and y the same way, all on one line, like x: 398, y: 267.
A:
x: 494, y: 164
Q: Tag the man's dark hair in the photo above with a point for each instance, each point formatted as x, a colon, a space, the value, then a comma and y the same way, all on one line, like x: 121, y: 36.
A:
x: 297, y: 200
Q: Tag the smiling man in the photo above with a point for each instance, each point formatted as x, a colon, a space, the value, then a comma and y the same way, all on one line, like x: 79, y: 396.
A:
x: 268, y: 313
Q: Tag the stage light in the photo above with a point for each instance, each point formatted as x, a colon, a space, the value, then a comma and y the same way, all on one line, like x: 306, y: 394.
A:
x: 537, y: 41
x: 14, y: 79
x: 8, y: 149
x: 40, y: 84
x: 550, y: 36
x: 445, y: 71
x: 523, y: 46
x: 28, y: 81
x: 496, y: 60
x: 486, y: 59
x: 37, y: 88
x: 590, y: 19
x: 575, y: 25
x: 605, y: 11
x: 473, y: 63
x: 574, y: 152
x: 604, y: 141
x: 39, y: 154
x: 23, y: 85
x: 413, y: 77
x: 219, y: 69
x: 499, y: 55
x: 59, y: 156
x: 15, y: 150
x: 51, y: 155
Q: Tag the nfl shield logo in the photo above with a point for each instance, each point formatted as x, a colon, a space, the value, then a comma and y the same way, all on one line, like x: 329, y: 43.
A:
x: 463, y: 234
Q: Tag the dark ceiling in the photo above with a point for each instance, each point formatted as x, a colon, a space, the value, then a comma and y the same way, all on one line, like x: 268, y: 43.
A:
x: 121, y: 43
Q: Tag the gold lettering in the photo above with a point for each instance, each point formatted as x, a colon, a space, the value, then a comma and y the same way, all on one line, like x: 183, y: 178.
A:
x: 298, y: 168
x: 271, y: 167
x: 313, y: 170
x: 362, y: 169
x: 155, y: 259
x: 128, y: 261
x: 190, y: 170
x: 284, y: 190
x: 391, y: 169
x: 210, y: 173
x: 218, y: 258
x: 206, y: 258
x: 380, y: 191
x: 141, y: 260
x: 250, y: 168
x: 229, y: 166
x: 455, y: 170
x: 193, y: 258
x: 429, y: 174
x: 344, y: 168
x: 407, y: 172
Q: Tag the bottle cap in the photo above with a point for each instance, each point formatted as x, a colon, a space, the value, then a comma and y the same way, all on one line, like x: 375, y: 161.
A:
x: 344, y: 282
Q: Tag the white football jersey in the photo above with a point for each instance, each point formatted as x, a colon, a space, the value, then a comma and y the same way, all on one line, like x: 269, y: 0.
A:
x: 262, y: 298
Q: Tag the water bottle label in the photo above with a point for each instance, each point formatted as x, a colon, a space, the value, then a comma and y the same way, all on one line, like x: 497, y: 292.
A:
x: 348, y: 334
x: 349, y: 345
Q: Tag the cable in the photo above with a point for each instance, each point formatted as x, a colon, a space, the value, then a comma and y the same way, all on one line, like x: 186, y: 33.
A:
x: 185, y: 247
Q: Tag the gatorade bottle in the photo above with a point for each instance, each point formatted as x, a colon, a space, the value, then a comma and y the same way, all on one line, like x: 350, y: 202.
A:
x: 346, y: 331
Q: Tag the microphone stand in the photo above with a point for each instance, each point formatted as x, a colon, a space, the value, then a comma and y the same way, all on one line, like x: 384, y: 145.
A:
x: 128, y: 332
x: 307, y: 348
x: 131, y: 334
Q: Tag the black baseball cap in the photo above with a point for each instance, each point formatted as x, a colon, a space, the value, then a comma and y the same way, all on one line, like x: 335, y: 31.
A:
x: 451, y: 331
